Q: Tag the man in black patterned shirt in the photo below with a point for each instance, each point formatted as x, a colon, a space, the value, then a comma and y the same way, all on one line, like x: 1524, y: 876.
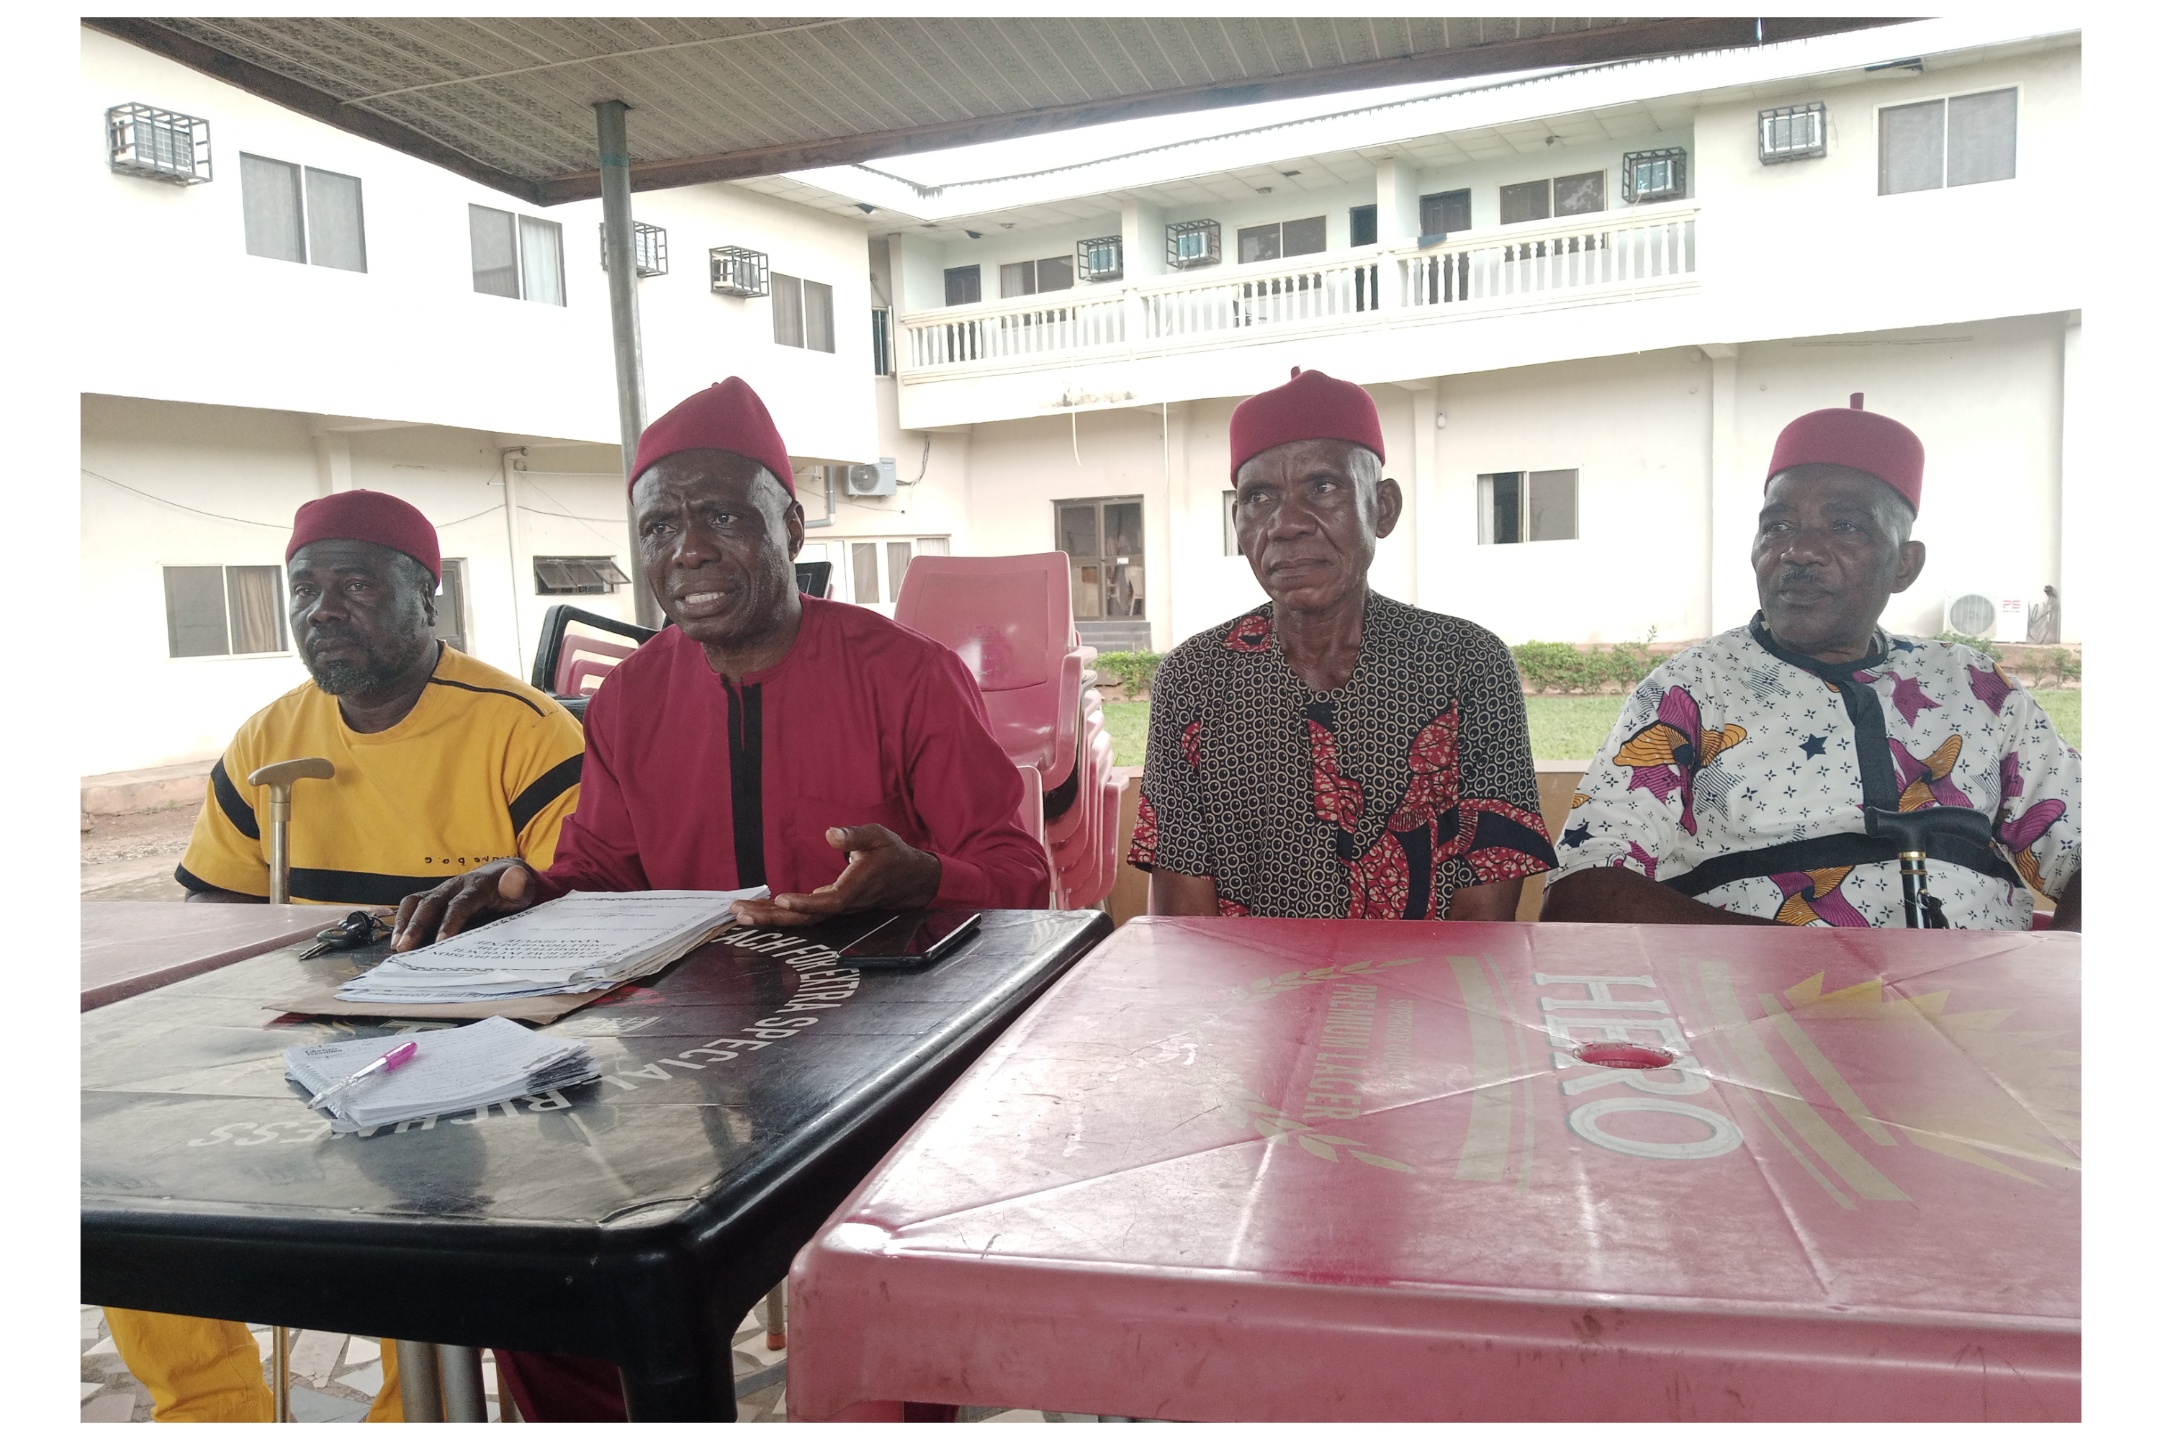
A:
x: 1333, y: 753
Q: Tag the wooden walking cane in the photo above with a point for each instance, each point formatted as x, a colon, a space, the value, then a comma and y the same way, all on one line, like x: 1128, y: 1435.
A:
x: 280, y: 778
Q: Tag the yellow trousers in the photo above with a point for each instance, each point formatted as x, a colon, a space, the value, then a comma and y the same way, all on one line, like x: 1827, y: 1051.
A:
x: 200, y: 1369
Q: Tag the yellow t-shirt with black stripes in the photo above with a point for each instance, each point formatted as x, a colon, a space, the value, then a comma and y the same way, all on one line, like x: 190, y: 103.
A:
x: 484, y: 767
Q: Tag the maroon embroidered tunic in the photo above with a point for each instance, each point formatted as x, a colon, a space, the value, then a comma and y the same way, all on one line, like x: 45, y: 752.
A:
x: 1377, y: 800
x: 693, y: 782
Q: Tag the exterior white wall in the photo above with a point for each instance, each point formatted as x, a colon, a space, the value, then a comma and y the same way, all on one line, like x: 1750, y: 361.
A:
x: 193, y: 317
x: 1635, y: 432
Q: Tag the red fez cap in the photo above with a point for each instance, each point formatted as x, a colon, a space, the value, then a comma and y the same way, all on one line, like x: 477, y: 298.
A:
x: 726, y: 416
x: 1857, y: 439
x: 367, y: 515
x: 1312, y: 406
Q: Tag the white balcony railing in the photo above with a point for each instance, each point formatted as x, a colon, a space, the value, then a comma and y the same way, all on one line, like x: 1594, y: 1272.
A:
x: 1550, y: 259
x: 1016, y: 330
x: 1533, y: 266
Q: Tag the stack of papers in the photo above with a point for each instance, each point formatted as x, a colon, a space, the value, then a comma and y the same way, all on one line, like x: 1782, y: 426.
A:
x: 584, y: 941
x: 453, y: 1070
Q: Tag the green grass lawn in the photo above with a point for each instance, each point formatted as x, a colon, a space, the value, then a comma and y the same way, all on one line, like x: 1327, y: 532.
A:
x: 1562, y: 727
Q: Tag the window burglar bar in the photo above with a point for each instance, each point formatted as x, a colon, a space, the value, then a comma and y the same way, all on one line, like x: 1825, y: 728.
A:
x: 157, y: 144
x: 1796, y: 132
x: 577, y: 575
x: 649, y: 244
x: 1102, y: 258
x: 736, y: 271
x: 1193, y: 243
x: 1653, y: 175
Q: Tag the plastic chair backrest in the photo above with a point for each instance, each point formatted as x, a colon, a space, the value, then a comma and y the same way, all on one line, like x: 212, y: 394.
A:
x: 566, y: 657
x: 585, y: 662
x: 1008, y: 617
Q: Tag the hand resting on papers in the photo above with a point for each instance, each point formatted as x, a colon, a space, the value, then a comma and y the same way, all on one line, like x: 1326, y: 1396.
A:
x: 883, y: 872
x: 501, y: 888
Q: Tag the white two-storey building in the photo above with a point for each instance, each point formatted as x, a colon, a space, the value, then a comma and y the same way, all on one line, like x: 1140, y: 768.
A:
x: 1583, y: 302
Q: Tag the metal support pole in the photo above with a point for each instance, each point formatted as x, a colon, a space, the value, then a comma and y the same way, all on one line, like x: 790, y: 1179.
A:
x: 419, y: 1382
x: 621, y: 249
x: 464, y: 1395
x: 776, y: 1317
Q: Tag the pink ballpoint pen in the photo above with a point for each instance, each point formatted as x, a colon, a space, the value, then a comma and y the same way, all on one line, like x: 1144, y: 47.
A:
x: 382, y: 1066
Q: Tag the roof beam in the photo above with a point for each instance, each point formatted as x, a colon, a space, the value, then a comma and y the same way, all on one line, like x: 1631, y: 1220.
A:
x: 1602, y: 46
x: 1630, y: 40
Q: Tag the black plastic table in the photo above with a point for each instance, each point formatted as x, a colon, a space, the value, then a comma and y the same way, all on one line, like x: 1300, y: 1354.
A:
x: 744, y: 1093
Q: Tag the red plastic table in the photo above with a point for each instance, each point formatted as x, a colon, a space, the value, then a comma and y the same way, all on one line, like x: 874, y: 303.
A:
x: 129, y: 946
x: 1303, y: 1170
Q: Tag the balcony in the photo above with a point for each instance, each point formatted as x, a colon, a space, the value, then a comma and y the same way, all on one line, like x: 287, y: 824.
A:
x: 1637, y: 253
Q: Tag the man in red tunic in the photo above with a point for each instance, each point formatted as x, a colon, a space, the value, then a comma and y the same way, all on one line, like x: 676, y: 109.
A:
x: 764, y: 738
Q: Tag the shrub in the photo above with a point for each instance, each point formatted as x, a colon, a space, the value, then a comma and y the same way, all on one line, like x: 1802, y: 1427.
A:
x: 1134, y: 670
x: 1554, y: 665
x: 1973, y: 642
x: 2060, y: 665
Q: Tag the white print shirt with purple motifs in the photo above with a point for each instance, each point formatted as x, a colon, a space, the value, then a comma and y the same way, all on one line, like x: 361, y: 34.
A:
x: 1728, y: 748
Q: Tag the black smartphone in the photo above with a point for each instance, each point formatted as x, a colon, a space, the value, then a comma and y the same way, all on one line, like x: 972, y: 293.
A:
x: 912, y: 939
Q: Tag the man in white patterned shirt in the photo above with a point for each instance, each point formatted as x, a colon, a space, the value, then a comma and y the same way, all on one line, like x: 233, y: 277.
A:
x: 1754, y: 778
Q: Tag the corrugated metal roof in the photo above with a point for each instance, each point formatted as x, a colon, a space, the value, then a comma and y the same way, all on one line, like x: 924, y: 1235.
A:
x: 509, y: 101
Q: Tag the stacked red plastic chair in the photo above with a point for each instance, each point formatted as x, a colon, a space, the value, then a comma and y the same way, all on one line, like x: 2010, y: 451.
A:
x: 1009, y: 618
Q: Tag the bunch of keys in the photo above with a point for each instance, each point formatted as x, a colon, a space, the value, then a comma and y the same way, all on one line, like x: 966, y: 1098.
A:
x: 355, y: 930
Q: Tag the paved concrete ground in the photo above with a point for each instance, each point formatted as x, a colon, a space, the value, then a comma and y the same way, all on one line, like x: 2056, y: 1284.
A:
x: 131, y: 857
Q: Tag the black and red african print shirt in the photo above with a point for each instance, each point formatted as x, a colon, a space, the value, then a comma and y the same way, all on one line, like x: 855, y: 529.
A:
x: 1378, y: 800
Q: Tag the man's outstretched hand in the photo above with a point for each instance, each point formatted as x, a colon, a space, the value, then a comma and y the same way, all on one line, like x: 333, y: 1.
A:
x: 500, y: 888
x: 883, y: 872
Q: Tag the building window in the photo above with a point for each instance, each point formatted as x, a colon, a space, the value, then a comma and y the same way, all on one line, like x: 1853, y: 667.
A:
x: 648, y: 249
x: 1364, y: 225
x: 739, y: 272
x: 1444, y: 214
x: 1229, y: 523
x: 157, y: 144
x: 963, y: 285
x: 224, y: 610
x: 576, y: 575
x: 801, y: 313
x: 1104, y: 539
x: 516, y: 256
x: 876, y: 568
x: 1792, y: 132
x: 1516, y: 505
x: 308, y: 216
x: 1276, y: 240
x: 881, y: 342
x: 1543, y: 199
x: 1031, y: 277
x: 450, y: 606
x: 1102, y: 258
x: 1963, y: 140
x: 1190, y: 244
x: 1647, y: 175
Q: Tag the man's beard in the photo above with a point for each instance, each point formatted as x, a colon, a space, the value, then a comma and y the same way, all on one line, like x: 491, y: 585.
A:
x: 342, y: 677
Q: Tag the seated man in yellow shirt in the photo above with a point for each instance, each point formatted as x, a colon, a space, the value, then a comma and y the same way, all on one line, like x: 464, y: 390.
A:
x: 442, y: 763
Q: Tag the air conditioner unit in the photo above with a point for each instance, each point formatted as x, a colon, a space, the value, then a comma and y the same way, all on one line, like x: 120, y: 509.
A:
x: 879, y: 479
x: 1985, y: 615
